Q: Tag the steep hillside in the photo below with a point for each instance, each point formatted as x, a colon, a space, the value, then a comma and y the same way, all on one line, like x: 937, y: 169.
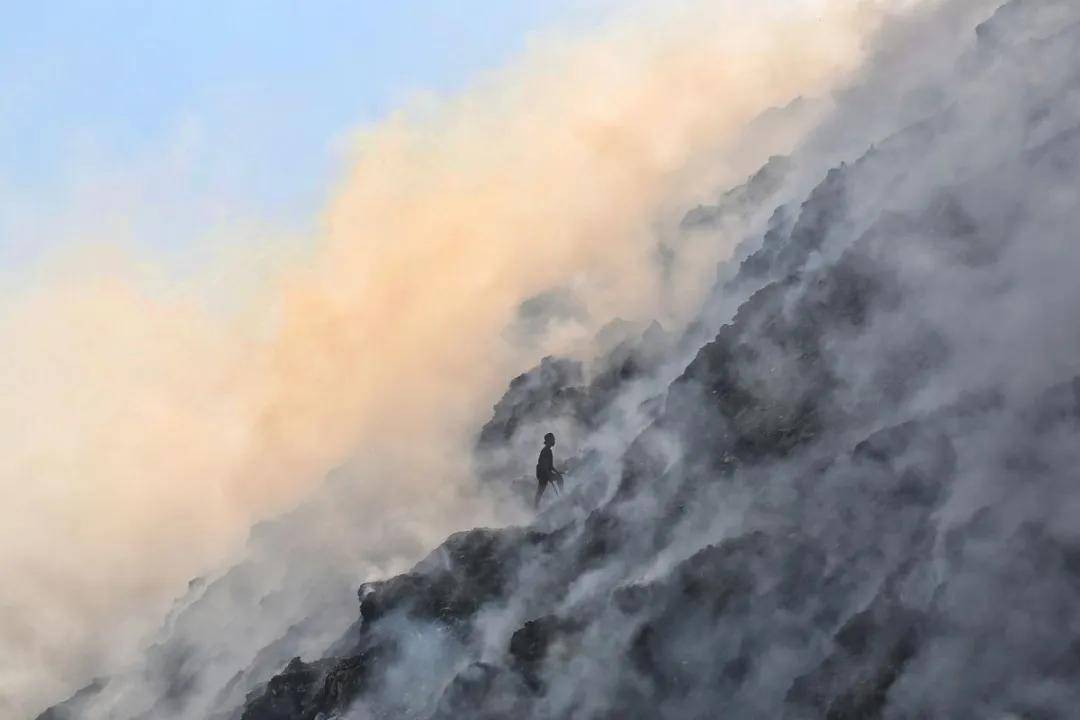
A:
x: 848, y: 490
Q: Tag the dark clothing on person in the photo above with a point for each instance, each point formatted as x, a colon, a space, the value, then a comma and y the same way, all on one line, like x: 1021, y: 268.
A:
x: 546, y: 473
x: 545, y: 464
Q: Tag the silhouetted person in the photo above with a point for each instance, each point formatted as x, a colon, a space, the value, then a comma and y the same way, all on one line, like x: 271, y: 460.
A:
x: 545, y: 470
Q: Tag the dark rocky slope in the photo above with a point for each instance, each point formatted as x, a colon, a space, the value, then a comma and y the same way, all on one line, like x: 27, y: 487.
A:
x: 857, y: 499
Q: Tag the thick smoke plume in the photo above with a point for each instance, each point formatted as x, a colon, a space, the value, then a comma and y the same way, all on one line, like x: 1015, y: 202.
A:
x: 143, y: 429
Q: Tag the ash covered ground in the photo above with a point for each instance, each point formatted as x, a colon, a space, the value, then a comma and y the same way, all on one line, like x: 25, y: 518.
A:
x: 849, y: 489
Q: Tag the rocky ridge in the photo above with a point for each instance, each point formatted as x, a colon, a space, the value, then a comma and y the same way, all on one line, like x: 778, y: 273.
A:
x: 856, y: 499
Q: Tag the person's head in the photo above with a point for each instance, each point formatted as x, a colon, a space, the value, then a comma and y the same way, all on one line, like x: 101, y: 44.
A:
x: 549, y: 440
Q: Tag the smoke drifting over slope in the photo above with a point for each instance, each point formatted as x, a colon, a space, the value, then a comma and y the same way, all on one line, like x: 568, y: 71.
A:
x: 856, y: 499
x: 143, y: 431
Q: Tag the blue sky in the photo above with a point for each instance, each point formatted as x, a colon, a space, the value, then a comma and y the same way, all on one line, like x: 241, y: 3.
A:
x: 197, y: 104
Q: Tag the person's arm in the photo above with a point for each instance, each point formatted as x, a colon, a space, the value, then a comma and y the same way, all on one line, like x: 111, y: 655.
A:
x: 560, y: 472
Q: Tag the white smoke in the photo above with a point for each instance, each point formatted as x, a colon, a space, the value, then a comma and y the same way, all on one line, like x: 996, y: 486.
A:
x: 144, y: 430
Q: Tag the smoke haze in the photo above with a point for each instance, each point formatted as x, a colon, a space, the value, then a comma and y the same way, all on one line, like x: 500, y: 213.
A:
x: 846, y: 488
x: 144, y: 428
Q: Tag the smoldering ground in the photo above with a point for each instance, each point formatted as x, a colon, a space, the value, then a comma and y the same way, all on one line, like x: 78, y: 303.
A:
x: 144, y: 432
x: 863, y: 482
x: 870, y: 509
x: 858, y: 499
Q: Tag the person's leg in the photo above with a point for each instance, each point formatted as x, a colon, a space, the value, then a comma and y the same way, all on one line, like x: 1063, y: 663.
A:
x: 540, y: 487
